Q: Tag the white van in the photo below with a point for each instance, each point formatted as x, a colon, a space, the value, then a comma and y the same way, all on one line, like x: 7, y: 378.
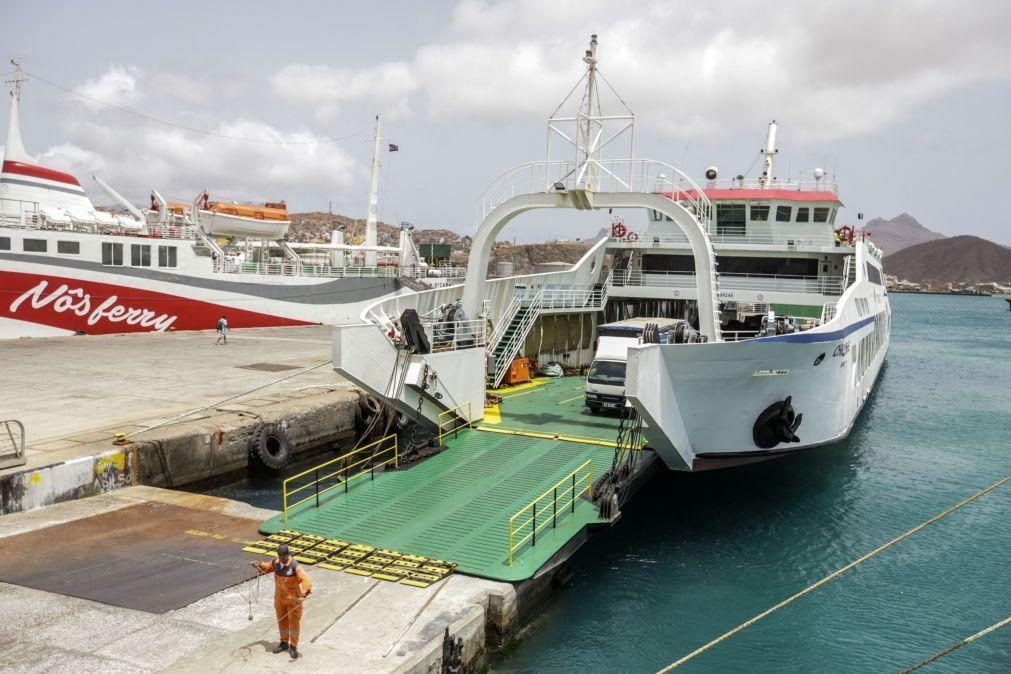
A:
x: 605, y: 382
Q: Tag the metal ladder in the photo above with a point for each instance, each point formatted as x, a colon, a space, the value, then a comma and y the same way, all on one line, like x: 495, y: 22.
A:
x: 519, y: 317
x: 12, y: 443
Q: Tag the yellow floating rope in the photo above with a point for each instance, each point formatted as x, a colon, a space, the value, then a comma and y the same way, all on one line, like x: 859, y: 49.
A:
x: 831, y: 576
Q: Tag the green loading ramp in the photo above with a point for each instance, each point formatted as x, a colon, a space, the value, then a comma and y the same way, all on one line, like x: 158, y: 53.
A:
x: 456, y: 506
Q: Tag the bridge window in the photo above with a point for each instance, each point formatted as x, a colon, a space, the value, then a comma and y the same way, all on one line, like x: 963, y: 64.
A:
x: 35, y: 245
x: 759, y: 212
x: 821, y: 214
x: 784, y: 213
x: 5, y: 243
x: 873, y: 274
x: 659, y: 264
x: 167, y: 256
x: 140, y: 255
x: 68, y: 247
x: 730, y: 219
x: 112, y: 254
x: 803, y: 214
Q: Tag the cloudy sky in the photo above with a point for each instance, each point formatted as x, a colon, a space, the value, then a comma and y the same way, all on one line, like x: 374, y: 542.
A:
x: 907, y: 102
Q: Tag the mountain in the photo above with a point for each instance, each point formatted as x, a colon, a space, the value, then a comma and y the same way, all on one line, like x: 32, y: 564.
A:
x: 900, y: 232
x: 960, y: 259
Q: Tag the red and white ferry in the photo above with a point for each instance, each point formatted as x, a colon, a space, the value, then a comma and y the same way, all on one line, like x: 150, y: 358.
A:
x: 68, y: 268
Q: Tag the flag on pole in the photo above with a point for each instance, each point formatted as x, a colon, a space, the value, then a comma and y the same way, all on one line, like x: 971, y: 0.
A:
x: 394, y: 148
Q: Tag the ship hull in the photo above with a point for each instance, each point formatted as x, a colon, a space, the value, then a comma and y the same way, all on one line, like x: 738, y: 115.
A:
x: 701, y: 402
x: 40, y: 297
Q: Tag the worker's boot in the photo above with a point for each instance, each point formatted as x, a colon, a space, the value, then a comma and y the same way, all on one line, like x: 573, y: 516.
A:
x: 280, y: 648
x: 293, y: 652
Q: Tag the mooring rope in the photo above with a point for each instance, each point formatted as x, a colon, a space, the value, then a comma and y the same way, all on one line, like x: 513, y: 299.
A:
x: 222, y: 402
x: 957, y: 645
x: 832, y: 575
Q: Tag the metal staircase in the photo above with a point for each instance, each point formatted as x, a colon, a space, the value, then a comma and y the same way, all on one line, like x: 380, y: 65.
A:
x: 510, y: 333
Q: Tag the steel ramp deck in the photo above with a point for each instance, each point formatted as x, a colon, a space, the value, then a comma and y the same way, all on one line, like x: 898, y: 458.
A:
x: 456, y: 505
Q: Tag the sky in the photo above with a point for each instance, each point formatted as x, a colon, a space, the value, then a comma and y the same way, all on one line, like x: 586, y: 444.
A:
x: 906, y: 103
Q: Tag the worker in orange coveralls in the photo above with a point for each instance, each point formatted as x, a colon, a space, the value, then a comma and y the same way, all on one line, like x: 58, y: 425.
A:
x: 291, y: 587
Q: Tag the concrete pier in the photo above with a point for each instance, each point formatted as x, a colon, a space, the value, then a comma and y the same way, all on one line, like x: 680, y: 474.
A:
x: 74, y: 394
x: 363, y: 624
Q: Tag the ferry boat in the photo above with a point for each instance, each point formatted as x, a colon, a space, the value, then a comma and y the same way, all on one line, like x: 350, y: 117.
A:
x: 786, y: 319
x: 66, y: 267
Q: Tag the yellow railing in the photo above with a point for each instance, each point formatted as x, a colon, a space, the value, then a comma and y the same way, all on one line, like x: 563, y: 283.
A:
x: 354, y: 464
x: 468, y: 421
x: 550, y: 506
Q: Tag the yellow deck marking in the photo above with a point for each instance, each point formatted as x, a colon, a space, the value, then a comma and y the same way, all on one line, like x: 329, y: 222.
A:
x: 518, y: 387
x: 569, y: 400
x: 492, y: 415
x: 547, y: 436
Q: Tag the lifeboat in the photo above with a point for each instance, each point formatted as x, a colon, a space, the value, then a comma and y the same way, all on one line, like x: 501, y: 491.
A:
x: 268, y: 220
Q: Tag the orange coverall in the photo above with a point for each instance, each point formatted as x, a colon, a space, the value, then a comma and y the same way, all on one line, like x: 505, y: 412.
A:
x: 291, y: 584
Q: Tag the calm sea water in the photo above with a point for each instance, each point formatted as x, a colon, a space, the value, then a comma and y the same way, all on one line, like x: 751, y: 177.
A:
x: 696, y: 555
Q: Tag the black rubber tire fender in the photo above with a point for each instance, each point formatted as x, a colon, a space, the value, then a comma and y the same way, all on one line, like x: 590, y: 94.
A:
x: 270, y: 447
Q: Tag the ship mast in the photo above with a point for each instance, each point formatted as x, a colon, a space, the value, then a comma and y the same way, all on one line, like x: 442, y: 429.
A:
x: 769, y: 152
x: 15, y: 147
x: 371, y: 223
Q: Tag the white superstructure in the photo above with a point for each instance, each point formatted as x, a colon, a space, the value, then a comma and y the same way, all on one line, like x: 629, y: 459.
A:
x: 66, y: 267
x: 788, y: 312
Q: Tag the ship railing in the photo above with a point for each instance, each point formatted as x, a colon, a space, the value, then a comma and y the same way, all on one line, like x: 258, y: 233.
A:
x: 585, y: 299
x: 12, y: 443
x: 738, y: 335
x: 172, y: 231
x: 547, y: 509
x: 787, y: 240
x: 422, y: 273
x: 456, y: 335
x: 228, y: 266
x: 458, y: 417
x: 824, y: 285
x: 828, y: 312
x: 774, y: 184
x: 644, y: 176
x: 339, y: 473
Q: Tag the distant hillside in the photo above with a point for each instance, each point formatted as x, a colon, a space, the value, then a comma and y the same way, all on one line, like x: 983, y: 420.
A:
x: 960, y: 259
x: 316, y: 226
x: 900, y: 232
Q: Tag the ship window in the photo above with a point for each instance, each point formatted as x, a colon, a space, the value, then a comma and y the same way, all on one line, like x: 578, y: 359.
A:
x: 167, y: 256
x: 831, y: 216
x: 5, y: 243
x: 140, y: 255
x: 112, y: 254
x: 803, y: 213
x: 783, y: 213
x: 730, y: 219
x: 34, y: 245
x: 821, y: 214
x: 759, y: 213
x: 873, y: 274
x: 68, y: 247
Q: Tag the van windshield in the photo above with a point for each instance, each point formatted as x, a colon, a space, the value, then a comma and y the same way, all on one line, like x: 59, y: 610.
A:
x: 607, y: 372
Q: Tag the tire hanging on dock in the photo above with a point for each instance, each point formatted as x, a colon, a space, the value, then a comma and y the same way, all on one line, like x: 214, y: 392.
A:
x: 270, y: 447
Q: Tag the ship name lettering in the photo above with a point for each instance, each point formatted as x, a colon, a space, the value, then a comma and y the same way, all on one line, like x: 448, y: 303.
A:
x: 79, y: 302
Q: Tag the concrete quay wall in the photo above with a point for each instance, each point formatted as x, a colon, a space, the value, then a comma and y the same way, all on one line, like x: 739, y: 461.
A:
x: 213, y: 444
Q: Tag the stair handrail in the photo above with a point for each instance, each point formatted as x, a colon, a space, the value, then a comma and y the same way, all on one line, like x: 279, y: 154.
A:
x: 503, y: 322
x: 512, y: 346
x: 17, y: 456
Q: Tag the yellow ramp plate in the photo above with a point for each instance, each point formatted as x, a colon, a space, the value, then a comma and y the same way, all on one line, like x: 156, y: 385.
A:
x: 255, y: 550
x: 414, y: 583
x: 330, y: 566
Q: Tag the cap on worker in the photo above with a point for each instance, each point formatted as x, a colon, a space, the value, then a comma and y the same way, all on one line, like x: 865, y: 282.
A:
x: 282, y: 550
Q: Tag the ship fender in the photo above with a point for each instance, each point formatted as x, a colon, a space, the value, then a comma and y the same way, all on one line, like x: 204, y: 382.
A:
x: 777, y: 423
x: 270, y: 447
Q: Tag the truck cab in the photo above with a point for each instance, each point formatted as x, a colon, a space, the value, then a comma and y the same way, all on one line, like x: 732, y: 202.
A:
x: 605, y: 381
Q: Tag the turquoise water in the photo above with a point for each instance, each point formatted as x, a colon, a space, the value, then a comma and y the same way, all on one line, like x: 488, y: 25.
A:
x: 695, y: 555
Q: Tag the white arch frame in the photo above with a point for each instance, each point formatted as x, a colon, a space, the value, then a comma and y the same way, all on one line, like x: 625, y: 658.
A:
x: 698, y: 237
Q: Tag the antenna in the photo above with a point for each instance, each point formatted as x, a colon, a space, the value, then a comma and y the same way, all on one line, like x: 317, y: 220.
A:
x: 594, y: 129
x: 18, y: 79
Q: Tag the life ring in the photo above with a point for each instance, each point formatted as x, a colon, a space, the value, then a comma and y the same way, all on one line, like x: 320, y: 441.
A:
x: 270, y: 447
x: 618, y: 230
x: 845, y: 233
x: 632, y: 237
